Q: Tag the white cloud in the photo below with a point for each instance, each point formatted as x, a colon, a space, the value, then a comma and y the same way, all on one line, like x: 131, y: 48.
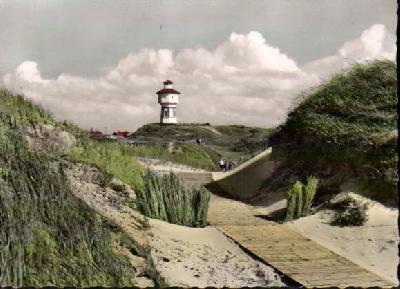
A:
x: 369, y: 46
x: 244, y: 80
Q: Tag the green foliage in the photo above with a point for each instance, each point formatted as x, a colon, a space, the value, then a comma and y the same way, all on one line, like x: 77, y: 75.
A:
x: 47, y: 236
x: 22, y: 111
x: 165, y: 198
x: 350, y: 107
x: 192, y: 155
x: 293, y: 203
x: 346, y: 129
x: 300, y: 198
x: 348, y: 212
x: 150, y: 151
x: 309, y: 193
x: 113, y: 158
x: 236, y: 142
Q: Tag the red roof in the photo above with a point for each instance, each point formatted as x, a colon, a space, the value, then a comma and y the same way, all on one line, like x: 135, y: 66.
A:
x: 168, y: 82
x: 168, y: 90
x: 121, y: 133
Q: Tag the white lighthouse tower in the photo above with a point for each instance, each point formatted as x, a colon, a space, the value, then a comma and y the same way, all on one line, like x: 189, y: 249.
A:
x: 168, y: 98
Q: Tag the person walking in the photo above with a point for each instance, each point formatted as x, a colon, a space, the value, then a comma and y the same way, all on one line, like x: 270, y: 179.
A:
x: 222, y: 164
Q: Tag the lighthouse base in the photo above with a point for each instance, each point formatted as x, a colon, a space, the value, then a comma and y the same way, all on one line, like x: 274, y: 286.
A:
x: 168, y: 120
x: 168, y: 114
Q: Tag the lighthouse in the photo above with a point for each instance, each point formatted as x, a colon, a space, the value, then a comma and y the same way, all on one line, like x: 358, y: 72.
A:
x: 168, y: 98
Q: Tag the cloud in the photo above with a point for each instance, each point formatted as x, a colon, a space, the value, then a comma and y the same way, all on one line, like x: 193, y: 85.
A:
x: 243, y: 81
x: 369, y: 46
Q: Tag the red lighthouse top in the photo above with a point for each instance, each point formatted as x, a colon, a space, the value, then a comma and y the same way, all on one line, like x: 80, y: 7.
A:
x: 168, y: 88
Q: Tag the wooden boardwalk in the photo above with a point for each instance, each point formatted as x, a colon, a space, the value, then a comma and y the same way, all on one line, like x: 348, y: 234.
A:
x: 291, y: 253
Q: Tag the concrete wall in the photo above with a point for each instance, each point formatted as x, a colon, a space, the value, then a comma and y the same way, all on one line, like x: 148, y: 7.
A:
x: 245, y: 180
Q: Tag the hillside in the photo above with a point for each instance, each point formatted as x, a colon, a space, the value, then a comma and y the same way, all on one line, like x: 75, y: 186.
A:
x: 345, y: 133
x: 48, y: 236
x: 69, y: 214
x: 236, y: 142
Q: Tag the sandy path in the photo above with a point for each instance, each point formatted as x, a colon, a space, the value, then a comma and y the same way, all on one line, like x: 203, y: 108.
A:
x: 284, y: 248
x: 181, y: 256
x: 201, y: 257
x: 162, y: 166
x: 373, y: 246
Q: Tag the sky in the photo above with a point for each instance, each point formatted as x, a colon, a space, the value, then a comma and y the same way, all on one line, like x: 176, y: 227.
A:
x: 99, y: 63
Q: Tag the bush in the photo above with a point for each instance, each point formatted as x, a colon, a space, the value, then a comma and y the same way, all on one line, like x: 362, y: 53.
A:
x: 300, y: 197
x: 349, y: 213
x: 165, y: 198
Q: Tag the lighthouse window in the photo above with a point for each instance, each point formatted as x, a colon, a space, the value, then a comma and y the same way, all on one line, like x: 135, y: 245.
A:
x: 165, y: 112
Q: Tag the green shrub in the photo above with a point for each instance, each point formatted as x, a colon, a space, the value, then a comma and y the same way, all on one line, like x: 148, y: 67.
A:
x: 165, y: 198
x: 299, y: 198
x: 349, y: 213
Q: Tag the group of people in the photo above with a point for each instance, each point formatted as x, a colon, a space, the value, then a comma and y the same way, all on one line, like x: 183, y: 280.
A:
x: 226, y: 165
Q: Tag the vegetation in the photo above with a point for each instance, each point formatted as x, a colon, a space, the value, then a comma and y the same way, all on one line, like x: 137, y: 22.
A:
x: 113, y: 158
x: 236, y: 142
x: 47, y: 236
x: 22, y: 112
x: 165, y: 198
x: 346, y: 130
x: 348, y: 212
x: 192, y: 155
x: 300, y: 198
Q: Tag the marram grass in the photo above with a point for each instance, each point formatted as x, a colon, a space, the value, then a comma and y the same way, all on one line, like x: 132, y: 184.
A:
x: 165, y: 198
x: 300, y: 197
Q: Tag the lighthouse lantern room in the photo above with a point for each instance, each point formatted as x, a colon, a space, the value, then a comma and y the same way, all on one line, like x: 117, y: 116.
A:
x: 168, y: 98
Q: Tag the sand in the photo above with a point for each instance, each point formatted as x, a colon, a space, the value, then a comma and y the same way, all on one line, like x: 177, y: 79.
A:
x: 201, y: 257
x: 372, y: 246
x: 162, y: 166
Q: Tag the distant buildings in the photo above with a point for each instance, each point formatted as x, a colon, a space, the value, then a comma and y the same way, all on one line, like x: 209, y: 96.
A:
x: 115, y: 135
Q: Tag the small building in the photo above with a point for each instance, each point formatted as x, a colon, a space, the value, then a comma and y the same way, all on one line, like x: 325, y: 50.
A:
x: 95, y: 133
x: 168, y: 98
x: 120, y: 134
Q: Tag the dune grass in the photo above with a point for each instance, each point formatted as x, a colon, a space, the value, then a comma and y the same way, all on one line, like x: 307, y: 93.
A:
x: 47, y: 236
x: 346, y: 129
x: 348, y: 212
x: 165, y: 198
x: 113, y: 158
x: 192, y: 155
x: 300, y: 197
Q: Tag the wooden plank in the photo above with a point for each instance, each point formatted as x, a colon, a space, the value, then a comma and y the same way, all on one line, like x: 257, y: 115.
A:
x: 300, y: 258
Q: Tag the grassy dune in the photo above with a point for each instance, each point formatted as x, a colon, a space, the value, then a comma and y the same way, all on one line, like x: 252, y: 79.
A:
x: 47, y: 236
x: 236, y: 142
x: 344, y: 133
